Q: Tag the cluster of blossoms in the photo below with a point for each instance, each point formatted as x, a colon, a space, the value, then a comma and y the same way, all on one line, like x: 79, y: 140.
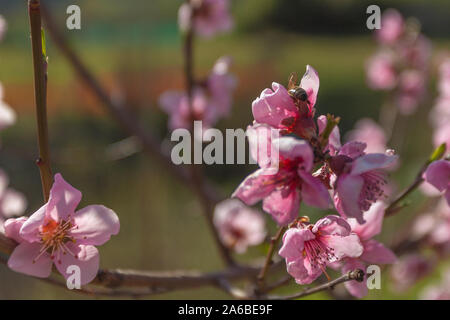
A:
x: 440, y: 114
x: 313, y: 167
x: 400, y: 66
x: 57, y: 234
x: 209, y: 99
x: 12, y: 202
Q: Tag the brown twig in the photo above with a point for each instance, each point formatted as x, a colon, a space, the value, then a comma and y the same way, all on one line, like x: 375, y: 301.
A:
x: 40, y: 79
x: 355, y: 275
x: 273, y: 243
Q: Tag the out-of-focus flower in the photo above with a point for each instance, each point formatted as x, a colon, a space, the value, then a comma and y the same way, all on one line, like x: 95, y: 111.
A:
x: 402, y: 62
x: 238, y: 225
x: 381, y: 73
x: 360, y: 179
x: 57, y: 234
x: 210, y: 101
x: 438, y: 175
x: 3, y: 27
x: 411, y: 89
x: 7, y: 115
x: 374, y: 252
x: 12, y: 202
x: 309, y: 248
x: 440, y: 291
x: 277, y: 107
x: 392, y: 27
x: 283, y: 191
x: 207, y: 17
x: 368, y: 131
x: 409, y: 269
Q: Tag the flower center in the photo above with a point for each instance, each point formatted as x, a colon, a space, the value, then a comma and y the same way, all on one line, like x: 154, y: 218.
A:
x: 373, y: 188
x: 318, y: 253
x: 54, y: 237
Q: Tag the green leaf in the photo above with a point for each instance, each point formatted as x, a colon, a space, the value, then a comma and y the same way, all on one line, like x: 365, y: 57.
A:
x: 437, y: 153
x: 44, y: 49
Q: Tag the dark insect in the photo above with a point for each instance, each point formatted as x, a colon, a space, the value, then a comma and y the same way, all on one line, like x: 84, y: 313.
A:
x: 294, y: 90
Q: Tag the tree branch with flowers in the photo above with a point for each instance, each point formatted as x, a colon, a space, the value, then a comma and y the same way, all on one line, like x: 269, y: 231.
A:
x: 312, y: 167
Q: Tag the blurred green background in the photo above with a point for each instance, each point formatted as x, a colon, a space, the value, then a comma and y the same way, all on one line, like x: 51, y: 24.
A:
x: 134, y: 49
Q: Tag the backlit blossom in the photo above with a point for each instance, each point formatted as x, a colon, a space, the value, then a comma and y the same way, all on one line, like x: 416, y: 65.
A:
x: 7, y: 115
x: 392, y: 27
x: 57, y: 234
x: 278, y: 109
x: 438, y: 175
x: 238, y: 225
x: 12, y: 202
x: 360, y: 179
x: 207, y: 17
x: 368, y: 131
x: 381, y: 73
x: 309, y: 248
x: 409, y: 269
x: 282, y: 190
x: 374, y: 252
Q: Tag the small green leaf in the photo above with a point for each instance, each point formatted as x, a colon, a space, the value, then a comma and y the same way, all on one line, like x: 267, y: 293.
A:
x: 437, y: 153
x: 44, y: 49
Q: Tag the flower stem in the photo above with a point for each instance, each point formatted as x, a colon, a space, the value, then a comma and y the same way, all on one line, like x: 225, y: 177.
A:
x: 40, y: 89
x: 273, y: 243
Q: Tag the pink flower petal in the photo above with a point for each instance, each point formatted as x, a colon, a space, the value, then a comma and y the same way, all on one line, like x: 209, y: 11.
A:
x: 353, y: 149
x: 13, y: 203
x: 88, y: 261
x: 21, y: 260
x: 438, y: 174
x: 347, y: 195
x: 377, y: 253
x: 273, y: 106
x: 302, y: 271
x: 347, y: 246
x: 63, y: 200
x: 260, y: 143
x: 310, y: 83
x: 371, y: 162
x: 12, y: 228
x: 95, y: 225
x: 282, y: 206
x: 292, y: 148
x: 332, y: 225
x: 293, y: 243
x: 30, y: 229
x: 314, y: 193
x: 255, y: 187
x: 334, y: 140
x: 374, y: 222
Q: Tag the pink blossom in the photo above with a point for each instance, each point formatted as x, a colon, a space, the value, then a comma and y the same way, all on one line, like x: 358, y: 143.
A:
x: 374, y: 252
x: 7, y: 115
x: 283, y: 191
x: 176, y: 104
x: 392, y: 27
x: 411, y: 89
x: 309, y: 248
x: 208, y: 17
x: 415, y: 52
x: 409, y: 269
x: 3, y: 27
x: 334, y: 140
x: 360, y: 179
x: 238, y: 225
x: 381, y: 73
x: 220, y: 85
x: 368, y: 131
x: 12, y: 202
x: 277, y: 108
x: 438, y: 175
x: 440, y: 291
x: 57, y: 234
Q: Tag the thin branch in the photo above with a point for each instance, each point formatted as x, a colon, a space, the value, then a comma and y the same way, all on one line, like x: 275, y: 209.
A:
x: 355, y: 275
x: 40, y: 79
x: 273, y: 243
